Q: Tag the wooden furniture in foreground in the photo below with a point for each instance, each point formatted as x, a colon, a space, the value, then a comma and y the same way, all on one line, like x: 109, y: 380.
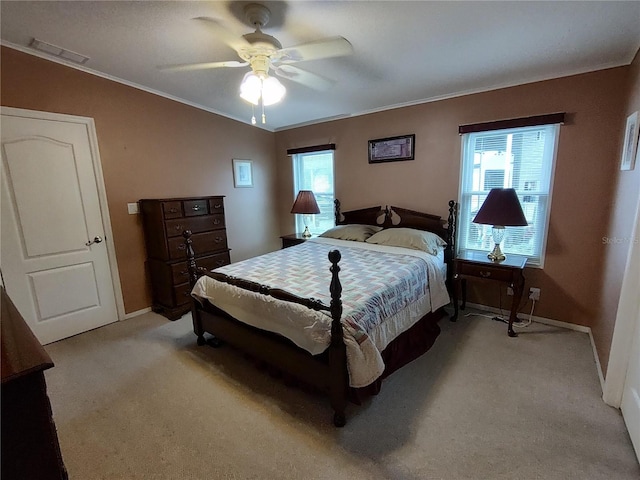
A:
x: 328, y: 370
x: 476, y: 265
x: 164, y: 220
x: 30, y: 446
x: 292, y: 240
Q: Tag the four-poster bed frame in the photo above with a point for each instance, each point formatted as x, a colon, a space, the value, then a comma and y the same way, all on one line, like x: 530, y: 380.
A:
x: 328, y: 370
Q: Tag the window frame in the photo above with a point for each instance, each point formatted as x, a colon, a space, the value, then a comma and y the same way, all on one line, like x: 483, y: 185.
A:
x: 297, y: 158
x: 466, y: 175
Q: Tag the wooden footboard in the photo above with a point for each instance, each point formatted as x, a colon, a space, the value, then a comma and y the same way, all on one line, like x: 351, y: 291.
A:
x: 324, y: 372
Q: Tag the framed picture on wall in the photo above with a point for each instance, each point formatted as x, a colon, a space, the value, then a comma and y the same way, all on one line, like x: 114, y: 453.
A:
x: 391, y: 149
x: 242, y: 173
x: 630, y: 143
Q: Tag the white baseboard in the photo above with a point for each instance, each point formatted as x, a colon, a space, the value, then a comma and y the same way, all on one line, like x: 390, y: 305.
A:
x: 553, y: 323
x: 137, y: 313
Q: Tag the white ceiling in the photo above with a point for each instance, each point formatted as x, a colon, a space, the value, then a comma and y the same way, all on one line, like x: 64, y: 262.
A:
x: 404, y: 52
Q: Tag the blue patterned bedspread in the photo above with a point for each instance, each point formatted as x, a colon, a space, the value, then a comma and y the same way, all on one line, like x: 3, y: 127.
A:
x: 385, y: 291
x: 376, y: 285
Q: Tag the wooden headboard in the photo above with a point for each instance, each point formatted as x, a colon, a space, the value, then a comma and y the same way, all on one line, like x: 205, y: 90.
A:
x: 396, y: 217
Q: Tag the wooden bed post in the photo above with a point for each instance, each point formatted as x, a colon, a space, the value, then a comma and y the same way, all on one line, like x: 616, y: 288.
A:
x: 193, y: 278
x: 191, y: 258
x: 336, y: 211
x: 451, y: 229
x: 450, y: 249
x: 337, y: 349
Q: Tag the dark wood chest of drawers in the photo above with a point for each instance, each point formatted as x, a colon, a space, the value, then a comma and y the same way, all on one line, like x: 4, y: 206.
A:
x: 164, y: 220
x: 30, y: 448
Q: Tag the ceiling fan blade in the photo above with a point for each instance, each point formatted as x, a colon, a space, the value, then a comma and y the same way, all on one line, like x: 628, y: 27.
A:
x: 237, y: 42
x: 303, y: 77
x: 330, y: 47
x: 186, y: 67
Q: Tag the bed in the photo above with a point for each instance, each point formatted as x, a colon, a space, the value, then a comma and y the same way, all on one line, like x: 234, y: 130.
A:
x: 344, y: 339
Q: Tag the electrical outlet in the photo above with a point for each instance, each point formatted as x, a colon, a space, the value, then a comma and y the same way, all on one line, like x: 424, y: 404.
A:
x: 534, y: 293
x: 510, y: 291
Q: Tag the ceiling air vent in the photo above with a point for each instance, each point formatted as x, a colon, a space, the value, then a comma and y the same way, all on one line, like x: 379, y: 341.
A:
x: 58, y: 51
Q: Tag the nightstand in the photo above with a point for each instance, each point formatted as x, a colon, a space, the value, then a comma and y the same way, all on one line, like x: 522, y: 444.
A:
x: 476, y: 266
x: 293, y: 239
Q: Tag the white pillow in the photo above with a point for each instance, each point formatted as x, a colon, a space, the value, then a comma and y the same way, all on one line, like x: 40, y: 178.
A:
x: 356, y: 232
x: 409, y: 238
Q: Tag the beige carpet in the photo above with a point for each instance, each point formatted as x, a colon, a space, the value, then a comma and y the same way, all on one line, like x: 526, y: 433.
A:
x: 139, y: 400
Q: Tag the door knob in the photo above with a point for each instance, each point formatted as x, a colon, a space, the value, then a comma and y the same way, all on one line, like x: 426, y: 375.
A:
x: 97, y: 239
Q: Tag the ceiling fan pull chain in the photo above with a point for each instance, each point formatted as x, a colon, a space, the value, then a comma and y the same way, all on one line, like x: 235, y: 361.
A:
x: 264, y: 118
x: 253, y: 115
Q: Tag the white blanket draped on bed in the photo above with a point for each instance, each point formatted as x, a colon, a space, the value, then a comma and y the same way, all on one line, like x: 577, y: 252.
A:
x: 386, y: 290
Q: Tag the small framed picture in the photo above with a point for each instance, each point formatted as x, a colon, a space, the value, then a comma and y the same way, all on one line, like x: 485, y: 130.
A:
x: 630, y: 143
x: 392, y: 149
x: 242, y: 173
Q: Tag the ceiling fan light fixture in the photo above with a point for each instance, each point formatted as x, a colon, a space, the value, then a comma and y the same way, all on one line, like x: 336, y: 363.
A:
x: 251, y: 88
x: 272, y: 91
x: 254, y: 87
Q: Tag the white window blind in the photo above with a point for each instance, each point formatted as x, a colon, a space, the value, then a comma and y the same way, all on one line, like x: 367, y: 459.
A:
x: 520, y: 158
x: 314, y: 171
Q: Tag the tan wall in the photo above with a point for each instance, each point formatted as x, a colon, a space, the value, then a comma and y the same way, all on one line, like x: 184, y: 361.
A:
x: 587, y: 165
x: 616, y: 251
x: 152, y: 147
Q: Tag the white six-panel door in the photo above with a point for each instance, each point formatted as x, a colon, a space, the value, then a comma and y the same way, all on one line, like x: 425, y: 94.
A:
x: 631, y: 394
x: 54, y: 258
x: 630, y: 306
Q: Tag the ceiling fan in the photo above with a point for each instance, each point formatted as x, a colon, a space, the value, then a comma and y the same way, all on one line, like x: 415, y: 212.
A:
x: 264, y: 53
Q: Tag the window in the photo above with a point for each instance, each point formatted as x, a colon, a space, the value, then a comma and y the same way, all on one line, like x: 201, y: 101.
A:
x: 520, y: 158
x: 314, y: 171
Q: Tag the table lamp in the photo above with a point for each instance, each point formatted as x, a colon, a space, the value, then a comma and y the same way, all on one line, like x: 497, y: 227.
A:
x: 305, y: 204
x: 500, y: 209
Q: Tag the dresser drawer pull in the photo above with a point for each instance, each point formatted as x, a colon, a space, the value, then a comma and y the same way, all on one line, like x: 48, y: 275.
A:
x: 218, y: 239
x: 195, y: 208
x: 178, y: 227
x: 182, y: 246
x: 173, y: 210
x: 217, y: 206
x: 216, y: 221
x: 221, y: 263
x: 485, y: 274
x: 184, y: 272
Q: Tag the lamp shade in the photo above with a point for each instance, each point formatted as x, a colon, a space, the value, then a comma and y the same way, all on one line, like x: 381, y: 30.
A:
x: 305, y: 203
x: 501, y: 207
